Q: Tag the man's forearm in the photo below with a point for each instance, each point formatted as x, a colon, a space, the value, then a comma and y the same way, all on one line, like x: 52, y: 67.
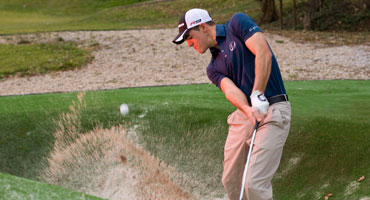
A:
x: 234, y: 95
x: 238, y: 99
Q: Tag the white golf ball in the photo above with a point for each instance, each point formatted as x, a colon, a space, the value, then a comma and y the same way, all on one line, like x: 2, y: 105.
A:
x: 124, y: 109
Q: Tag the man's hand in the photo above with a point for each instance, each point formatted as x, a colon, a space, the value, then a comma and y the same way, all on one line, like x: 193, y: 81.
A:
x: 253, y: 114
x: 239, y: 100
x: 259, y: 101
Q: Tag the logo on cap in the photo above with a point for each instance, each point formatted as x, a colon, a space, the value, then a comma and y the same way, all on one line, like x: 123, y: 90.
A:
x: 195, y: 22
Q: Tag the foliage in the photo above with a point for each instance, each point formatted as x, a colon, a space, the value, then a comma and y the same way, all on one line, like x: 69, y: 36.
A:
x: 343, y: 15
x: 348, y: 15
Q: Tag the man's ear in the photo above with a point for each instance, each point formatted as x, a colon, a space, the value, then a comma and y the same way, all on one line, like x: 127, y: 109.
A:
x: 203, y: 27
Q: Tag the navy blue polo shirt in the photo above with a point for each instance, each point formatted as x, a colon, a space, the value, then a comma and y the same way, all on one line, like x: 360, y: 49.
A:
x: 234, y: 60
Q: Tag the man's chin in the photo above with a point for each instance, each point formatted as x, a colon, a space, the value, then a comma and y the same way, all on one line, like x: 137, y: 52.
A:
x: 202, y: 51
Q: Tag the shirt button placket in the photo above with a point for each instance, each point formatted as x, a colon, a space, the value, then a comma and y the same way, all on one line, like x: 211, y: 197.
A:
x: 222, y: 51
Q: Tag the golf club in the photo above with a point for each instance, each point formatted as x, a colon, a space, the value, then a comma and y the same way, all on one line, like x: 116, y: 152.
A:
x: 247, y: 164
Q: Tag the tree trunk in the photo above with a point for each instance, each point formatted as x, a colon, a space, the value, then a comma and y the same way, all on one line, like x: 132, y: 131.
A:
x: 294, y: 15
x: 268, y: 11
x: 311, y: 13
x: 281, y: 14
x: 366, y: 3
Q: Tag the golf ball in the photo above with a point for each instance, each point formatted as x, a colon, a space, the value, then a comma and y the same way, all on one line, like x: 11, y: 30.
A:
x: 124, y: 109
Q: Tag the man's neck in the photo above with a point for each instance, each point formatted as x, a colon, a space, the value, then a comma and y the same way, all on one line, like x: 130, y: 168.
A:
x: 213, y: 35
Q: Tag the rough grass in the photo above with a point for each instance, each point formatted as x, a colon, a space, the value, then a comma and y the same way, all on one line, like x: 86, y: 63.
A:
x: 30, y: 59
x: 34, y: 16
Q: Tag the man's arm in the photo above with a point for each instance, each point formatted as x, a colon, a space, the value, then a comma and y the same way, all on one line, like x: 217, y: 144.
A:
x: 239, y: 100
x: 258, y: 46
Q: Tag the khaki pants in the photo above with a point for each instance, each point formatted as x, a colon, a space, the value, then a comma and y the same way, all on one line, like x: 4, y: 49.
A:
x: 266, y: 153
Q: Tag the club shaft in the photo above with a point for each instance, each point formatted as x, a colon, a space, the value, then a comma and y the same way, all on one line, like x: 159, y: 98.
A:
x: 247, y: 164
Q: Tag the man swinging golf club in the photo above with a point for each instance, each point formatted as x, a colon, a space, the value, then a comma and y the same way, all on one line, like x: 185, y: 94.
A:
x: 245, y: 69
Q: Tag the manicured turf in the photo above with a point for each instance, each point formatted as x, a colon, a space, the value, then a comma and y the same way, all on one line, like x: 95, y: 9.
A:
x: 186, y: 127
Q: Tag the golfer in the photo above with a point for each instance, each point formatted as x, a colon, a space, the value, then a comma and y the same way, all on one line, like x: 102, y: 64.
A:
x: 245, y: 69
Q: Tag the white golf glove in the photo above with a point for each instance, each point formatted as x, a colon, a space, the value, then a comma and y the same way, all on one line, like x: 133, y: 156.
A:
x: 259, y: 101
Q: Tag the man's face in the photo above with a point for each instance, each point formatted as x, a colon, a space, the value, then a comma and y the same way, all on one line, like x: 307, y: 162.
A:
x: 198, y: 40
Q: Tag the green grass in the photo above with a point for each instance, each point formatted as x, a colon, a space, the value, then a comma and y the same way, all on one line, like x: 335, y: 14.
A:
x: 17, y: 188
x: 35, y: 16
x: 330, y: 135
x: 31, y: 59
x: 186, y: 127
x: 20, y: 16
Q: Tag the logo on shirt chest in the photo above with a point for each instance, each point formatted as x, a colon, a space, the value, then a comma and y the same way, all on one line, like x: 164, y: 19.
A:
x: 232, y: 45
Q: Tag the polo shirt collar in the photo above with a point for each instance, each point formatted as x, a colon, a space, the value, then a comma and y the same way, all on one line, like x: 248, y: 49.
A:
x: 220, y: 31
x: 220, y: 35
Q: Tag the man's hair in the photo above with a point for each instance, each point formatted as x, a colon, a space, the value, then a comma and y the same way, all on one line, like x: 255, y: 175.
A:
x: 210, y: 23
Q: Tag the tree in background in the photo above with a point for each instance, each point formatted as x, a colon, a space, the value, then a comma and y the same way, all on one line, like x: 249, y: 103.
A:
x: 268, y: 11
x: 366, y: 3
x: 313, y: 9
x: 336, y: 15
x: 353, y: 15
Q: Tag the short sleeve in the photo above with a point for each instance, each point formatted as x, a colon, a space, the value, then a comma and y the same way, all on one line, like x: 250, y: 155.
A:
x: 214, y: 76
x: 243, y: 26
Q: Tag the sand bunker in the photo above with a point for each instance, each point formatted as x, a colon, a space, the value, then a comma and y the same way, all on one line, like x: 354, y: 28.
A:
x: 106, y: 163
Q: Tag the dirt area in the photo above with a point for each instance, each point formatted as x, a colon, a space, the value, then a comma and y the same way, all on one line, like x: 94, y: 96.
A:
x: 137, y: 58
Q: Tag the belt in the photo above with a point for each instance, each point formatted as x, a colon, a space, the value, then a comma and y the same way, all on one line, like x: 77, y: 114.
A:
x: 277, y: 99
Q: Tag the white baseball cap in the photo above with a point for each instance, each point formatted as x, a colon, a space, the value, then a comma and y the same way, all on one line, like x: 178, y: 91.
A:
x: 190, y: 19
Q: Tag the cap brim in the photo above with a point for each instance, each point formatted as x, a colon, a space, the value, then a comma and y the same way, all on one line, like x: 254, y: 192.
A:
x: 180, y: 37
